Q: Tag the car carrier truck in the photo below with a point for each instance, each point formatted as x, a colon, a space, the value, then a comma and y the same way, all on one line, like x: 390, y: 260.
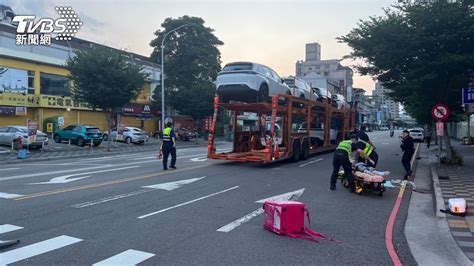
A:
x: 280, y: 131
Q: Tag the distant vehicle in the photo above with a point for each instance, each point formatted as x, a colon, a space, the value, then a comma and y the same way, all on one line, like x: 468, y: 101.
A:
x: 419, y: 128
x: 10, y: 134
x: 339, y: 100
x: 184, y: 134
x: 130, y: 135
x: 417, y: 134
x: 249, y: 82
x: 79, y: 134
x: 316, y: 134
x: 384, y: 128
x: 300, y: 88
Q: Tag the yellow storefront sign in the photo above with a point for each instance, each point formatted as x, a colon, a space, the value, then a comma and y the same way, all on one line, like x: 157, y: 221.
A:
x: 49, y: 101
x: 13, y: 99
x: 60, y: 102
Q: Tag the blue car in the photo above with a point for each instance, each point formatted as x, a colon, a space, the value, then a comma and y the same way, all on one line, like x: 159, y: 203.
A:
x: 79, y: 134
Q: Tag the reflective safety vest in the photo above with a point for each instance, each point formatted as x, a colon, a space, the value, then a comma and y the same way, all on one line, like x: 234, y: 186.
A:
x: 166, y: 134
x: 345, y: 145
x: 368, y: 148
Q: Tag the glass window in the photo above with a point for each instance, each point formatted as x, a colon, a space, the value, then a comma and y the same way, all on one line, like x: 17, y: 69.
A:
x: 267, y: 72
x: 68, y: 128
x: 31, y: 82
x: 3, y: 129
x: 275, y: 75
x: 234, y: 67
x: 12, y: 130
x: 54, y: 85
x: 92, y: 130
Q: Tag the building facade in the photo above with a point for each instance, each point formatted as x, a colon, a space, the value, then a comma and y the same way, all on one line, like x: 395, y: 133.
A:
x: 331, y: 69
x: 34, y: 83
x: 389, y: 108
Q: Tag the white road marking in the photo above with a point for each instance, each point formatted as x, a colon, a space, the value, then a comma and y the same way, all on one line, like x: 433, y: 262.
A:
x: 166, y: 186
x: 66, y: 178
x: 186, y: 203
x: 37, y: 249
x: 174, y: 185
x: 7, y: 169
x: 385, y: 143
x: 283, y: 197
x: 5, y: 228
x: 9, y: 196
x: 199, y: 159
x: 310, y: 162
x: 128, y: 257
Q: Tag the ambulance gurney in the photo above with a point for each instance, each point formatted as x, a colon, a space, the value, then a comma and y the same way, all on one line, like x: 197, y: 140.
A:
x: 366, y: 179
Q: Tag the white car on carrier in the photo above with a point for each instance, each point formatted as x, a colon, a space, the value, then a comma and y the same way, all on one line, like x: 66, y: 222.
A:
x: 249, y: 82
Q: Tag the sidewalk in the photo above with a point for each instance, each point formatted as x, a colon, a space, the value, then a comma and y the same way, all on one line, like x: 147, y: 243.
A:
x: 427, y: 234
x: 458, y: 181
x: 64, y: 151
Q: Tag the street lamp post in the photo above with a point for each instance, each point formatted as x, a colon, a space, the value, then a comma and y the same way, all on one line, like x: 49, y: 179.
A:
x: 163, y: 76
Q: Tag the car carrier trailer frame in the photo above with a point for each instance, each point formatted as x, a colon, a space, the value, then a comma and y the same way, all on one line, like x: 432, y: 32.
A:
x: 248, y: 147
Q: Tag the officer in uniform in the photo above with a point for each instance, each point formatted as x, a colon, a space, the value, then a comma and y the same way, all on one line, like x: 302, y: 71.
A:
x: 408, y: 148
x: 341, y: 157
x: 168, y: 146
x: 369, y: 150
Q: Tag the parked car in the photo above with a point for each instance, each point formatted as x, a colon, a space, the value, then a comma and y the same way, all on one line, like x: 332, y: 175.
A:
x: 300, y: 88
x: 384, y: 128
x: 249, y: 82
x: 130, y: 135
x: 79, y: 134
x: 417, y: 134
x: 10, y: 134
x: 316, y: 134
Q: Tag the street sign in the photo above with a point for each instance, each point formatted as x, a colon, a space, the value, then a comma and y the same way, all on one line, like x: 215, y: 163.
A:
x: 439, y: 129
x: 32, y: 126
x: 61, y: 121
x: 440, y: 112
x: 468, y: 95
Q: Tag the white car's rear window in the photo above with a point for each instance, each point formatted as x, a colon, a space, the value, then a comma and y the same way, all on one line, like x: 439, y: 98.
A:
x: 235, y: 67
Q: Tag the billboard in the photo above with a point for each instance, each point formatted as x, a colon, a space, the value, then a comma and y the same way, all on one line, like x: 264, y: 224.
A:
x: 13, y: 80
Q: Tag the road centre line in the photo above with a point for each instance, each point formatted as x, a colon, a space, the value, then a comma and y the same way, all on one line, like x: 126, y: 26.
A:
x: 308, y: 163
x: 106, y: 183
x: 186, y: 203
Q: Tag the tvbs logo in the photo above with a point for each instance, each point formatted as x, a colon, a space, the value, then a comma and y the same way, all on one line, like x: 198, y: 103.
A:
x: 32, y: 31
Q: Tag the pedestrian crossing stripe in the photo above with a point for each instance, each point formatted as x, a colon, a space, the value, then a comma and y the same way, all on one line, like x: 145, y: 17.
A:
x: 128, y: 257
x: 5, y: 228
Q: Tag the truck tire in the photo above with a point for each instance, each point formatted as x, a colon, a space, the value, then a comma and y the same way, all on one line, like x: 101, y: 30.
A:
x: 296, y: 151
x: 305, y: 150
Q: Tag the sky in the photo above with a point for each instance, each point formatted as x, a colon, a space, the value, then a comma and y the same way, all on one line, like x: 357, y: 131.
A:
x: 270, y: 32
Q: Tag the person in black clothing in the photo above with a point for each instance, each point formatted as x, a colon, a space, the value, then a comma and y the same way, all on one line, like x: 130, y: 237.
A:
x: 408, y: 151
x: 428, y: 138
x: 363, y: 136
x: 168, y: 146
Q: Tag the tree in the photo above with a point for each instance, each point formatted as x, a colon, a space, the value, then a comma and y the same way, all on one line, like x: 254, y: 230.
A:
x: 192, y: 61
x: 105, y: 79
x: 422, y: 52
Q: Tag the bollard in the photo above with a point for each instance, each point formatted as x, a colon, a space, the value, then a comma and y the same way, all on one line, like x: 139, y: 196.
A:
x: 42, y: 146
x: 13, y: 148
x: 92, y: 144
x: 69, y: 144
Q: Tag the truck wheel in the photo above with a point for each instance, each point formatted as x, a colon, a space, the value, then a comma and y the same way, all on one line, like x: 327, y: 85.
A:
x: 296, y: 151
x: 80, y: 142
x: 57, y: 139
x: 262, y: 94
x: 305, y: 152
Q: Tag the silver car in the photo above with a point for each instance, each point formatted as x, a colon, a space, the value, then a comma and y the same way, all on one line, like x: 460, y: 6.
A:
x: 10, y: 134
x: 249, y: 82
x: 300, y: 88
x: 130, y: 135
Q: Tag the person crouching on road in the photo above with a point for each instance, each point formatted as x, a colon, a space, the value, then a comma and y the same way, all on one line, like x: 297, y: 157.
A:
x: 408, y: 148
x: 369, y: 150
x: 168, y: 146
x: 341, y: 157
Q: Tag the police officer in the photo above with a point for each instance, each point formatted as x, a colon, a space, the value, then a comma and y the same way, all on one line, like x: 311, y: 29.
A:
x: 341, y: 157
x: 363, y: 136
x: 168, y: 146
x: 408, y: 148
x: 369, y: 150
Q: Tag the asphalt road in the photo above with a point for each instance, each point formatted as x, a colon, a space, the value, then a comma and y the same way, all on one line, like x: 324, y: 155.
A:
x: 120, y: 208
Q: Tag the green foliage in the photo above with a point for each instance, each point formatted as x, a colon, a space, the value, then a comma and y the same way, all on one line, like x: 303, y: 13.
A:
x: 422, y: 52
x: 192, y: 61
x: 105, y: 78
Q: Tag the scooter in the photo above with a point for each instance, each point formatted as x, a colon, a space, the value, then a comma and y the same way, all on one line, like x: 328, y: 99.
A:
x: 391, y: 134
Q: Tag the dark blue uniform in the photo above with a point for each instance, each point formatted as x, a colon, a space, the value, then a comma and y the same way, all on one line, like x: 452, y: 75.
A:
x: 168, y: 148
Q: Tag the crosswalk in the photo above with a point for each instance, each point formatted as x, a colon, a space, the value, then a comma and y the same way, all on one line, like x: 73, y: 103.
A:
x: 54, y: 244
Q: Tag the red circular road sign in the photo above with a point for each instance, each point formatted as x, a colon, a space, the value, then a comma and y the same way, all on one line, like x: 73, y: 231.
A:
x: 440, y: 112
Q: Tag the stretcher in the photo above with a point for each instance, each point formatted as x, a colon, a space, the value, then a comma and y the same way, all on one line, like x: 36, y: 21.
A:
x: 366, y: 179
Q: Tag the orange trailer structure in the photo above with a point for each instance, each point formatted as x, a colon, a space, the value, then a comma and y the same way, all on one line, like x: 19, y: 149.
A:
x: 287, y: 128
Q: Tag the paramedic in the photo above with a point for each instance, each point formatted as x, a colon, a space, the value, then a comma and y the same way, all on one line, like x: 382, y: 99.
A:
x: 168, y: 146
x: 341, y: 157
x: 363, y: 136
x: 369, y: 150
